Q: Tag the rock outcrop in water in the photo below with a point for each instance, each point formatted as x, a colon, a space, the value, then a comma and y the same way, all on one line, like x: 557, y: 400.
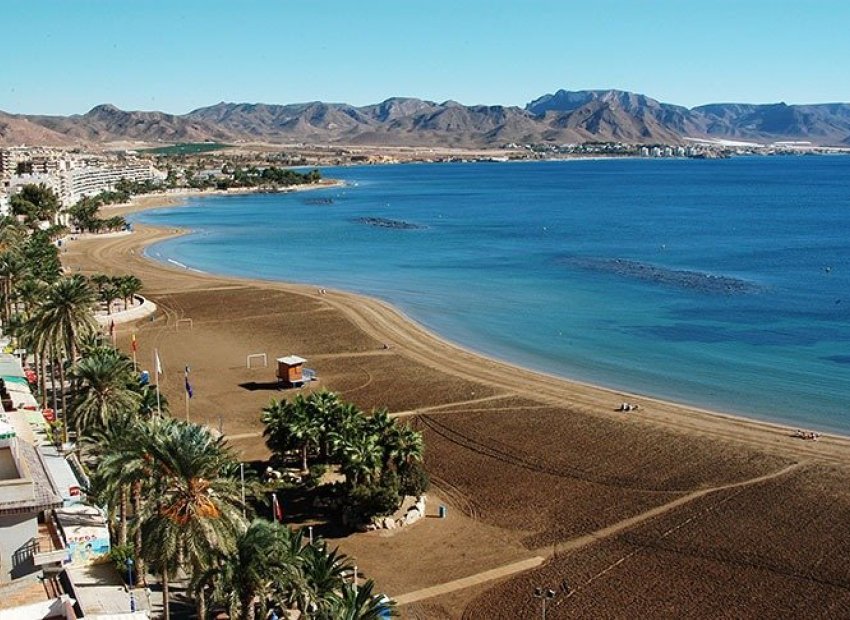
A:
x: 693, y: 280
x: 382, y: 222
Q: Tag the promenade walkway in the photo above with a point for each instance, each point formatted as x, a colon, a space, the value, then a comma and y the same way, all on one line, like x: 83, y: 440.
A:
x: 133, y: 313
x: 100, y: 591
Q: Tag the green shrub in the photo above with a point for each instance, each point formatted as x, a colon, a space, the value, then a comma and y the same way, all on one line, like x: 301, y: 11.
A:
x: 119, y: 554
x: 413, y: 480
x: 364, y: 503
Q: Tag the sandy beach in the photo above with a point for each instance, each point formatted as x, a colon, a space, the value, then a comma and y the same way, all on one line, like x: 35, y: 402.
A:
x: 529, y: 464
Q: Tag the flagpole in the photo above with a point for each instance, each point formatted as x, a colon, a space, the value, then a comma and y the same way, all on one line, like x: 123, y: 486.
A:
x: 133, y: 346
x: 242, y: 478
x: 156, y: 369
x: 187, y: 390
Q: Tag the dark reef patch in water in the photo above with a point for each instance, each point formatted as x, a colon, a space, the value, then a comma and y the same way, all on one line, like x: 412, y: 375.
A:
x: 382, y: 222
x: 838, y: 359
x: 713, y: 334
x: 680, y: 278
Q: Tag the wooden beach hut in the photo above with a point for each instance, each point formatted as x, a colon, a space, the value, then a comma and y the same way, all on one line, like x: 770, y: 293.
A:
x: 290, y: 370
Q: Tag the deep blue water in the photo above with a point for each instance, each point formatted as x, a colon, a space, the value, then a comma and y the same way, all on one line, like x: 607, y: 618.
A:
x: 732, y: 289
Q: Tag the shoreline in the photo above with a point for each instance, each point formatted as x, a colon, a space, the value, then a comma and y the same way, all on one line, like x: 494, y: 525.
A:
x: 412, y: 340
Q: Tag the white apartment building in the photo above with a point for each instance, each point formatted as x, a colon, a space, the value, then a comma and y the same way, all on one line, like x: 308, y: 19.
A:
x: 70, y: 176
x: 89, y: 180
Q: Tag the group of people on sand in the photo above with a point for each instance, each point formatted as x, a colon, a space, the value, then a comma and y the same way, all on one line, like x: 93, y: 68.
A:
x: 812, y: 435
x: 628, y: 407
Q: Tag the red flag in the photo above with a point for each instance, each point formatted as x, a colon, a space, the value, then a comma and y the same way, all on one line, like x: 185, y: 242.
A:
x: 133, y: 344
x: 278, y: 512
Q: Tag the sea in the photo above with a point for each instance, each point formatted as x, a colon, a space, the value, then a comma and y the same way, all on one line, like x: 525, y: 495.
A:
x: 723, y: 284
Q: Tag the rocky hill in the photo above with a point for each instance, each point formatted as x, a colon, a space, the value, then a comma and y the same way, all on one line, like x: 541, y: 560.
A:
x: 560, y: 117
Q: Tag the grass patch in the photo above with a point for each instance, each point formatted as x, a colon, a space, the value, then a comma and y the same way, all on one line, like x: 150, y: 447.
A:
x: 187, y: 148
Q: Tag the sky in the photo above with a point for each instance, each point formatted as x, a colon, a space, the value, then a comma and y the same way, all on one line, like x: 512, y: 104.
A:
x: 65, y: 57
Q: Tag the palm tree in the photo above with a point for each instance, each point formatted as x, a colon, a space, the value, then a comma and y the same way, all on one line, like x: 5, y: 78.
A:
x: 65, y: 317
x: 29, y: 292
x: 405, y: 446
x: 150, y: 404
x: 29, y: 337
x: 262, y: 565
x: 324, y: 574
x: 123, y: 462
x: 197, y: 512
x: 12, y: 266
x: 361, y: 455
x: 109, y: 293
x: 100, y: 280
x: 291, y: 425
x: 337, y: 417
x: 107, y: 452
x: 128, y: 287
x: 382, y: 426
x: 13, y: 234
x: 105, y: 393
x: 358, y: 603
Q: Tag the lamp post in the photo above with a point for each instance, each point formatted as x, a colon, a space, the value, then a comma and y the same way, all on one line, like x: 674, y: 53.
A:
x: 129, y: 563
x: 544, y: 596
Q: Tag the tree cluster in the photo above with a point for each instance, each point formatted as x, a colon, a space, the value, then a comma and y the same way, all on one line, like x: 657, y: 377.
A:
x: 110, y: 288
x: 35, y: 204
x: 380, y: 458
x: 85, y: 213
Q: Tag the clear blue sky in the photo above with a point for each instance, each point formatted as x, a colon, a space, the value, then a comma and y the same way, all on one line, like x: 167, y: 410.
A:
x: 63, y: 56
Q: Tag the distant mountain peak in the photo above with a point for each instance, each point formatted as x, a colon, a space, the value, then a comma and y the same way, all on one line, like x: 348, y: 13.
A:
x: 562, y: 116
x: 104, y: 108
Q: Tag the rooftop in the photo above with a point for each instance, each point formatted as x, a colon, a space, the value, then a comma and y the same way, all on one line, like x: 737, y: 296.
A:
x: 25, y: 484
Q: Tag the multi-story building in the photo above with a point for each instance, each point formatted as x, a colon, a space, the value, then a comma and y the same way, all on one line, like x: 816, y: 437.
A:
x: 70, y: 175
x: 88, y: 180
x: 26, y: 494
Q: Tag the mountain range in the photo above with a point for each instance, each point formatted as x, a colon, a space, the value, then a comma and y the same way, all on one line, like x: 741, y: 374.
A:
x: 557, y: 118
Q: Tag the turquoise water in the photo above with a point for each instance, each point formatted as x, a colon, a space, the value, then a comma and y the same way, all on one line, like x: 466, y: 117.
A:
x: 722, y: 284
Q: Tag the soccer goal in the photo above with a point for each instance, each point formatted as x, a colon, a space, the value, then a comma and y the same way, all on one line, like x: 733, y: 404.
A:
x: 185, y: 322
x: 260, y: 356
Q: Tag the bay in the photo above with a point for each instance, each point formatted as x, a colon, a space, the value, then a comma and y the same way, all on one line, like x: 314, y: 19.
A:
x: 722, y: 284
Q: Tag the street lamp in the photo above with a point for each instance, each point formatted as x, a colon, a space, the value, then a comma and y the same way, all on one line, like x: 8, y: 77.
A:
x: 544, y: 596
x: 129, y: 563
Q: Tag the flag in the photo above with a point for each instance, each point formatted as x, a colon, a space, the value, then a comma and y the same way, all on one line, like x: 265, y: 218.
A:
x: 188, y: 386
x: 133, y: 344
x: 278, y: 513
x: 112, y: 329
x: 157, y: 362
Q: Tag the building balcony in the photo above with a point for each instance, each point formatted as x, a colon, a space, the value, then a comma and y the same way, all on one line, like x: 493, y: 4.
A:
x: 49, y: 547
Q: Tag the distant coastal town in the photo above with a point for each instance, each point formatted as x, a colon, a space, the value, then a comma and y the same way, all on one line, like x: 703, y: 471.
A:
x: 74, y: 173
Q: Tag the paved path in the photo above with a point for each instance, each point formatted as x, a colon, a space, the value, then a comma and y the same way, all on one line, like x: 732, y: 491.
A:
x: 100, y: 591
x: 134, y: 313
x: 467, y: 582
